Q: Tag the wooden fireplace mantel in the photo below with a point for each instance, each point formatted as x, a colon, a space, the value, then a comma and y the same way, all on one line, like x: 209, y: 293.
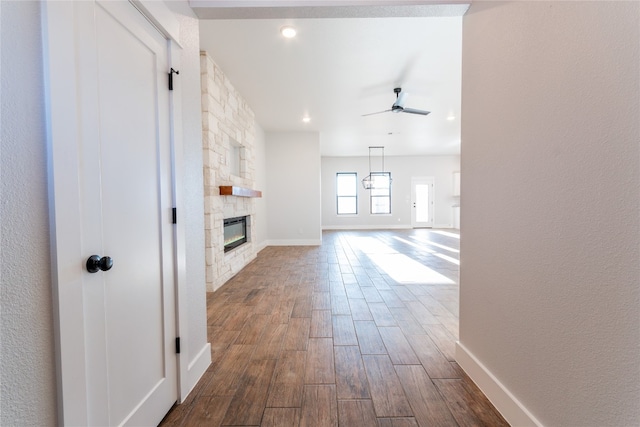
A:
x: 232, y: 190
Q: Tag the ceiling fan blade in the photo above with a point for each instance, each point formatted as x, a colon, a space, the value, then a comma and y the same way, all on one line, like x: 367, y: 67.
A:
x: 414, y: 111
x: 379, y: 112
x: 402, y: 97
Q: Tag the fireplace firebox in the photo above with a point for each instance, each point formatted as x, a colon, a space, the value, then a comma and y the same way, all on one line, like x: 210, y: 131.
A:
x: 235, y: 232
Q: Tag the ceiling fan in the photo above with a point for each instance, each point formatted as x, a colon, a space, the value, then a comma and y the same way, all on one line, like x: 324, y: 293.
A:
x: 398, y: 106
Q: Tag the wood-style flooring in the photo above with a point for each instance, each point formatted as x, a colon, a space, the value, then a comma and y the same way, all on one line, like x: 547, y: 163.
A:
x: 357, y: 332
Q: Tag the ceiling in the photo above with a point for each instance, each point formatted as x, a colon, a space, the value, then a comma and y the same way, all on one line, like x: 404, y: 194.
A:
x: 338, y: 68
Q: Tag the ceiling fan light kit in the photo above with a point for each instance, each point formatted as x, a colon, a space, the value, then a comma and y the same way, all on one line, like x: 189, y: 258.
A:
x: 398, y: 106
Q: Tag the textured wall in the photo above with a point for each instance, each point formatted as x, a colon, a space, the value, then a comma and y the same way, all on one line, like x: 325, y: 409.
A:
x: 550, y: 279
x: 226, y: 120
x: 27, y: 372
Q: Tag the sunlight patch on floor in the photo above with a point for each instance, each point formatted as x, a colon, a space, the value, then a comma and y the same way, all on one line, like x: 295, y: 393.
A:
x: 370, y: 245
x: 399, y: 267
x: 447, y: 258
x: 438, y: 245
x: 405, y: 270
x: 415, y: 245
x: 430, y: 251
x: 446, y: 233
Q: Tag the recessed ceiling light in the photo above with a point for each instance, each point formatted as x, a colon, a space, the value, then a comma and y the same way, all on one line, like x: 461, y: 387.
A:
x: 306, y: 119
x: 288, y: 32
x: 451, y: 117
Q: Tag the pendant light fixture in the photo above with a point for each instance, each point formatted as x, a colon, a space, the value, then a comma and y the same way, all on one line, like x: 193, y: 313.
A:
x: 377, y: 179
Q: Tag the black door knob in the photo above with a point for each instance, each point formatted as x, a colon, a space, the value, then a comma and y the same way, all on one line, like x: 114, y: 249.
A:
x: 95, y: 263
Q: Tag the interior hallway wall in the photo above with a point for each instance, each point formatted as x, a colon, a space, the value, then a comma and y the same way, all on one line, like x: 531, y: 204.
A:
x: 550, y: 267
x: 27, y: 370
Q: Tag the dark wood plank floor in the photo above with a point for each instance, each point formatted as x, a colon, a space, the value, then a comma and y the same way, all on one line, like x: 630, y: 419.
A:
x: 357, y: 332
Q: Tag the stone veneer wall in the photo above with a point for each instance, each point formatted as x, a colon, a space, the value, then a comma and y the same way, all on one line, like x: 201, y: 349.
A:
x: 227, y: 121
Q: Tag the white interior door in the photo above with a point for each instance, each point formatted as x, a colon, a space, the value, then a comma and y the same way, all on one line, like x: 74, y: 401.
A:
x: 118, y: 361
x: 422, y: 202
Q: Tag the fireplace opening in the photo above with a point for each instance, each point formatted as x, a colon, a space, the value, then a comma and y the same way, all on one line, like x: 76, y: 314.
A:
x: 235, y: 232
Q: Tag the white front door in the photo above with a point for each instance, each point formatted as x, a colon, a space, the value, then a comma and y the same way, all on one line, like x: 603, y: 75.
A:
x: 116, y: 327
x: 422, y: 202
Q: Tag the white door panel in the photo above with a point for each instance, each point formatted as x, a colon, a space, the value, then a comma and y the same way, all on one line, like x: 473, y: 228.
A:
x: 422, y: 202
x: 135, y: 154
x: 124, y: 186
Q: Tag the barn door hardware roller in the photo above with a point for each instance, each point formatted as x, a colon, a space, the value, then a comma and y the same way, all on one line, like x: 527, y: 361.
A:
x: 171, y: 78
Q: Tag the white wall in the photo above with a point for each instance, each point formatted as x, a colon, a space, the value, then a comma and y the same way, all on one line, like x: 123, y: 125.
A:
x: 27, y: 370
x: 293, y: 188
x: 260, y: 152
x: 441, y: 168
x: 550, y: 279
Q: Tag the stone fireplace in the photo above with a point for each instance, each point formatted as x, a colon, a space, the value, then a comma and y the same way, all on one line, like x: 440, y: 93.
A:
x: 228, y: 127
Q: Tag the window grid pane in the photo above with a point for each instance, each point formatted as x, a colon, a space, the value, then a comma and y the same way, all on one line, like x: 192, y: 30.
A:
x: 380, y: 195
x: 347, y: 205
x: 347, y: 193
x: 347, y: 184
x: 380, y: 205
x: 380, y: 179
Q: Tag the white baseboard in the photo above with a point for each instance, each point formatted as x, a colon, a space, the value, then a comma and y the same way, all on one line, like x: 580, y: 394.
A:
x: 197, y: 367
x: 442, y: 226
x: 366, y: 227
x: 294, y: 242
x: 505, y: 402
x: 260, y: 246
x: 377, y: 227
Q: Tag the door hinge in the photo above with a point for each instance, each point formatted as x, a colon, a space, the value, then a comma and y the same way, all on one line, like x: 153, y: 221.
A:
x: 174, y: 215
x: 171, y: 78
x: 177, y: 345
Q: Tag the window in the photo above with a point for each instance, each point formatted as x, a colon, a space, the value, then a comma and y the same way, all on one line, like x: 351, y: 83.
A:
x: 380, y: 193
x: 347, y: 193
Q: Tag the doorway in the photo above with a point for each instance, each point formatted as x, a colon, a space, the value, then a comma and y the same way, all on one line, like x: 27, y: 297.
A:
x: 422, y: 202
